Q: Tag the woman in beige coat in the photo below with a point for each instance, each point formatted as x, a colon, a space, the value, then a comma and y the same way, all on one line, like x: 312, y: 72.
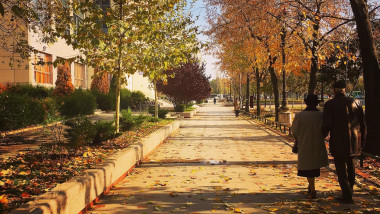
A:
x: 312, y: 153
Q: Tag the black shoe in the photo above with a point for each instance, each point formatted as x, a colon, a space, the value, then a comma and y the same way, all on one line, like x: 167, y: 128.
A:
x: 345, y: 200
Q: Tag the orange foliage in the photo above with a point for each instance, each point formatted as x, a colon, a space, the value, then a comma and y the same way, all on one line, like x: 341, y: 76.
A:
x: 100, y: 82
x: 2, y: 88
x: 63, y: 85
x: 309, y: 26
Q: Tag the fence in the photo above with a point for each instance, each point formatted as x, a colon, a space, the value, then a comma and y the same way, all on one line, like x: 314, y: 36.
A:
x: 282, y: 127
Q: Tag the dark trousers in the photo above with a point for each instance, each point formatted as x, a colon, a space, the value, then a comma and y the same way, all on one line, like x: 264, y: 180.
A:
x: 237, y: 113
x: 345, y: 169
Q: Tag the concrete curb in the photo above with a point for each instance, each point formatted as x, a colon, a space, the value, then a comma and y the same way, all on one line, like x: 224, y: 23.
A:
x: 79, y: 193
x: 188, y: 114
x: 31, y: 128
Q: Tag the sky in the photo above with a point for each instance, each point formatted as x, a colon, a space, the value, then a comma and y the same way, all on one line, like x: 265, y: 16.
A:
x: 199, y: 9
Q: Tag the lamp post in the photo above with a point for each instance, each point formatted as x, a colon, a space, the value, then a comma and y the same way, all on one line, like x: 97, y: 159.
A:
x: 284, y: 107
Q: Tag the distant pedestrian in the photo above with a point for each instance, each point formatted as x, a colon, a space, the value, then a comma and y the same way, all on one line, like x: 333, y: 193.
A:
x: 343, y: 118
x: 312, y: 153
x: 214, y: 100
x: 236, y: 107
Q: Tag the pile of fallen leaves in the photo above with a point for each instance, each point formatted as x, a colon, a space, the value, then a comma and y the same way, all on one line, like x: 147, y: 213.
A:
x: 30, y: 174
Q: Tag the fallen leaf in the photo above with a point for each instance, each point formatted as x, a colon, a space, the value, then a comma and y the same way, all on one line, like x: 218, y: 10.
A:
x: 25, y: 195
x: 237, y: 210
x: 23, y: 173
x: 3, y: 199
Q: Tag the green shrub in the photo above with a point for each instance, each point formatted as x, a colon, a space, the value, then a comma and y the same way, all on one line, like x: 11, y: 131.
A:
x: 51, y: 109
x: 189, y: 108
x: 153, y: 119
x: 35, y: 92
x: 81, y: 132
x: 189, y: 105
x: 127, y: 121
x: 161, y: 112
x: 105, y: 102
x: 125, y: 98
x: 137, y: 98
x: 80, y: 102
x: 18, y: 111
x: 151, y: 110
x: 104, y: 131
x: 180, y: 108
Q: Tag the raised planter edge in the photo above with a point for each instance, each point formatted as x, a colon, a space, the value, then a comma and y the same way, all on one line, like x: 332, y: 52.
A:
x: 80, y: 192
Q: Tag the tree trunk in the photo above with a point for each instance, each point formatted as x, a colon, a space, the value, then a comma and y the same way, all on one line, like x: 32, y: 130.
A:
x: 247, y: 96
x: 155, y: 99
x: 258, y: 80
x: 314, y: 59
x: 274, y: 81
x: 313, y: 73
x: 371, y: 73
x: 117, y: 117
x: 283, y: 42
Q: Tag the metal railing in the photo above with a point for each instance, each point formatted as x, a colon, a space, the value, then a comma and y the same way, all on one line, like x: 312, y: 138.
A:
x: 284, y: 128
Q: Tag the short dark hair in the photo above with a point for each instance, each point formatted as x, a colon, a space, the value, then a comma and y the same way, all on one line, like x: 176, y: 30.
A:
x: 311, y: 100
x: 339, y: 84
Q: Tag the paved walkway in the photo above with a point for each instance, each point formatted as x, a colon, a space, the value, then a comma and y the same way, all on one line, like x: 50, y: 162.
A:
x: 216, y: 163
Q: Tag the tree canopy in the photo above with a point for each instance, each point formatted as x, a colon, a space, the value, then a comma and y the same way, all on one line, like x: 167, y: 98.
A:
x: 189, y: 83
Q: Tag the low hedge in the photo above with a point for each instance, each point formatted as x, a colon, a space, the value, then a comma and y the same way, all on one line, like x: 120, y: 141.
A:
x: 80, y: 102
x: 105, y: 102
x: 35, y: 92
x: 18, y: 111
x: 83, y: 132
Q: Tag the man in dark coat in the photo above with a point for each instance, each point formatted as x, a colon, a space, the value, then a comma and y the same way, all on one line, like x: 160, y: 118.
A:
x: 343, y: 118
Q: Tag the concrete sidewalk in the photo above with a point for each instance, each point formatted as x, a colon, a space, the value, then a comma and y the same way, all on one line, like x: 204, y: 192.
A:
x: 217, y: 163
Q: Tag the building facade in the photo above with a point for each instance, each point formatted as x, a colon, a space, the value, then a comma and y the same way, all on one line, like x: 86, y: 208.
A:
x: 38, y: 70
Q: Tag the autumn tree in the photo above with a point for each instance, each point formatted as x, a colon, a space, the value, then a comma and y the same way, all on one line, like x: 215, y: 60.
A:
x: 63, y: 84
x: 247, y: 18
x: 171, y: 45
x: 100, y: 82
x: 116, y: 37
x: 316, y: 23
x: 189, y: 83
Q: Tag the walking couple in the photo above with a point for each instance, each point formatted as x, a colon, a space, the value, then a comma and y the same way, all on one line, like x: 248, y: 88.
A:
x: 343, y: 119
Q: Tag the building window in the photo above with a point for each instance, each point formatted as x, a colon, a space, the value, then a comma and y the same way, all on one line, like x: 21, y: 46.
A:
x: 78, y: 21
x: 43, y: 69
x: 104, y: 4
x: 80, y: 75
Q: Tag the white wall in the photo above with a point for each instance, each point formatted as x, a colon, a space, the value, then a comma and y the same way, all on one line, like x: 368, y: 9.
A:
x: 141, y: 83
